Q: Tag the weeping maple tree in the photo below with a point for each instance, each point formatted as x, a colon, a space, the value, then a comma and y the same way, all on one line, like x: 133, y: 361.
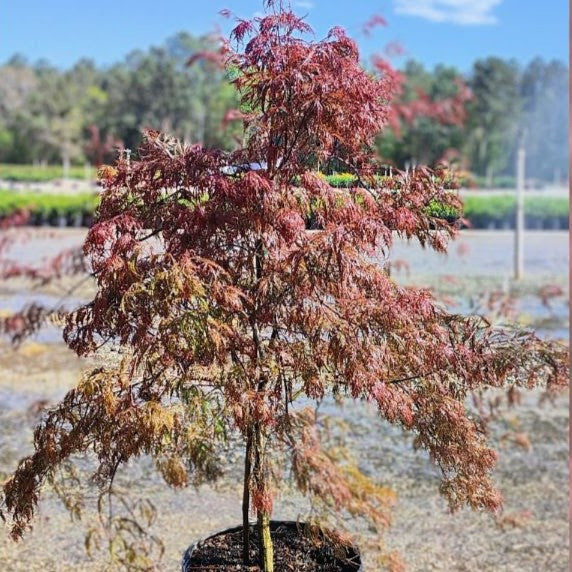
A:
x: 225, y: 309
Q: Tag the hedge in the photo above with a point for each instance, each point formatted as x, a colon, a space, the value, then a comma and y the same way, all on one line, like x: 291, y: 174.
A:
x: 481, y: 211
x: 39, y: 174
x: 500, y: 210
x: 55, y: 210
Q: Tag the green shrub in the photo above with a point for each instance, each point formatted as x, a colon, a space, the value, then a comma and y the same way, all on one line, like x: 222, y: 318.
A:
x: 439, y: 210
x: 11, y: 202
x: 47, y: 205
x: 547, y: 207
x: 38, y: 174
x: 341, y: 180
x: 479, y: 210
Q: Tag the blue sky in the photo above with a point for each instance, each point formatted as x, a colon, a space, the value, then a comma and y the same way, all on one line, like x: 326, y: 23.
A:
x: 454, y: 32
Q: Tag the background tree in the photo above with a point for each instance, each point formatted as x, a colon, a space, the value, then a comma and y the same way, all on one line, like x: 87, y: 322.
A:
x: 545, y: 119
x: 101, y: 150
x: 157, y: 90
x: 17, y: 81
x: 59, y: 108
x: 431, y: 113
x: 494, y: 115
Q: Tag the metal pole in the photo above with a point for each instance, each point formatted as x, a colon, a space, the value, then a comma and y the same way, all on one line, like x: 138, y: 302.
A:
x: 519, y: 224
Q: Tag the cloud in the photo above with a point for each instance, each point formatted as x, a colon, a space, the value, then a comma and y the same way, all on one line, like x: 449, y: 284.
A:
x: 465, y: 12
x: 304, y: 4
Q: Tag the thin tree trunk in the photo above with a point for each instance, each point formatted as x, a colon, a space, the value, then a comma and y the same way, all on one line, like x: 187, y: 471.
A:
x: 490, y: 177
x: 66, y: 161
x: 246, y: 500
x: 265, y: 545
x: 260, y: 468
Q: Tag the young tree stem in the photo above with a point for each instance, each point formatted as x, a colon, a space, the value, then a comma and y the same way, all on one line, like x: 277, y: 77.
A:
x: 265, y: 545
x: 246, y: 499
x: 265, y: 541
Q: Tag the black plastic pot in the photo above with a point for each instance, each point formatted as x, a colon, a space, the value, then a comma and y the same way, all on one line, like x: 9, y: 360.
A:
x: 451, y: 220
x: 57, y: 218
x: 75, y: 219
x: 87, y: 219
x: 353, y: 555
x: 36, y: 218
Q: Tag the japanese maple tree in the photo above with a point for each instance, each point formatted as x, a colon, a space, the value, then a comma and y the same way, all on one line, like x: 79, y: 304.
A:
x: 225, y: 309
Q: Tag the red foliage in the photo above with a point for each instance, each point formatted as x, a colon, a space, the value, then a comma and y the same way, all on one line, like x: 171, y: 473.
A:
x: 373, y: 22
x: 70, y: 262
x: 26, y: 322
x: 549, y: 292
x: 232, y: 115
x: 214, y: 58
x: 309, y: 99
x: 448, y: 111
x: 463, y: 249
x: 20, y: 217
x: 101, y: 150
x: 394, y: 49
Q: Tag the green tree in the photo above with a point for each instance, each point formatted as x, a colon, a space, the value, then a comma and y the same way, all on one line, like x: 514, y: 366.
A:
x: 544, y: 93
x: 61, y: 108
x: 17, y: 82
x: 494, y: 115
x: 157, y: 90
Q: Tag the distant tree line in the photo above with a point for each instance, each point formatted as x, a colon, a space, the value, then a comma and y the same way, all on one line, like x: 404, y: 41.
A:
x: 83, y: 114
x: 510, y: 105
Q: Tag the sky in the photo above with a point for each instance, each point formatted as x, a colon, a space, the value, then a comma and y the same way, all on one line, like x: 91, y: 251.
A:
x: 452, y: 32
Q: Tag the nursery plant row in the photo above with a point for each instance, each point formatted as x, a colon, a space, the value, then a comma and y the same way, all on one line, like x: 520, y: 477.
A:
x: 50, y: 210
x: 549, y: 213
x: 42, y: 174
x: 481, y: 211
